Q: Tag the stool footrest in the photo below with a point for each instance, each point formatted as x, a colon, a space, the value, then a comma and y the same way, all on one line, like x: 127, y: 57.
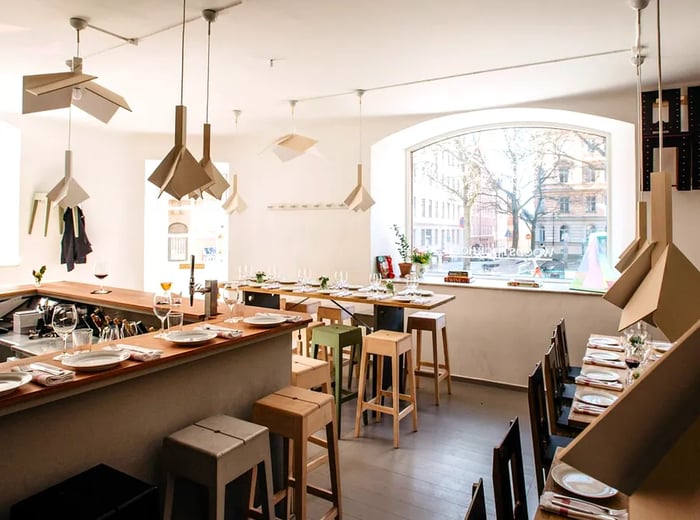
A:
x: 319, y: 492
x: 317, y: 462
x: 442, y: 374
x: 387, y: 393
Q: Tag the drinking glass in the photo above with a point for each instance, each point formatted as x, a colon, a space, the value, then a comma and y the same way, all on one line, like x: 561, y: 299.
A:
x: 375, y: 279
x: 242, y: 273
x: 634, y: 356
x: 101, y: 272
x: 175, y: 320
x: 166, y: 285
x: 64, y: 321
x: 412, y: 284
x: 230, y: 295
x: 162, y: 304
x: 82, y: 338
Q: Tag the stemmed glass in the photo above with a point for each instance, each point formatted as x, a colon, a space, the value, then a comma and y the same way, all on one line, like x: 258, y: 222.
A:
x: 64, y: 321
x: 412, y: 284
x: 634, y: 356
x: 162, y: 303
x: 375, y: 280
x: 101, y: 272
x: 230, y: 295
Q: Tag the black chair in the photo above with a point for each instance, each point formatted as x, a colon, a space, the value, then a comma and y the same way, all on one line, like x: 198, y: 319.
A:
x: 570, y: 372
x: 544, y: 445
x: 477, y: 507
x: 511, y: 503
x: 558, y: 410
x: 566, y: 391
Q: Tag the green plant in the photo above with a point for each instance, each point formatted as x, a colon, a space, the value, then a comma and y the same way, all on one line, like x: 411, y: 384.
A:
x: 38, y: 275
x: 390, y: 286
x: 402, y: 244
x: 260, y: 276
x: 324, y: 281
x: 421, y: 257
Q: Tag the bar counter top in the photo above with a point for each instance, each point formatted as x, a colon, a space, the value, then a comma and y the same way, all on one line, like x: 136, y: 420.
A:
x: 120, y: 416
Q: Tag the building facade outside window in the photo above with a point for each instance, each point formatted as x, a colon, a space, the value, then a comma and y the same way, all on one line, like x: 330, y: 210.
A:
x: 517, y: 197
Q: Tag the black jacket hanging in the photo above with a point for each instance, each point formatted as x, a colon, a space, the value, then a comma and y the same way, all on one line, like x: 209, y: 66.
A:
x: 74, y: 246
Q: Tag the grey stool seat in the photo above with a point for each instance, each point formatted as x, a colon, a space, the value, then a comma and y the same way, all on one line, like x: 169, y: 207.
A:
x: 213, y: 452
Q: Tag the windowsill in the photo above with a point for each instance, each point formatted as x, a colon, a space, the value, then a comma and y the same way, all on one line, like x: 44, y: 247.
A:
x: 501, y: 284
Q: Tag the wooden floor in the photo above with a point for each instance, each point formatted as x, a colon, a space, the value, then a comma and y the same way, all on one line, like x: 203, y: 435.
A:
x: 430, y: 476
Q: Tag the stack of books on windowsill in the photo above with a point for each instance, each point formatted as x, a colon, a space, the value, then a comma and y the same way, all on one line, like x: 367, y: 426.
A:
x: 523, y: 282
x: 457, y: 276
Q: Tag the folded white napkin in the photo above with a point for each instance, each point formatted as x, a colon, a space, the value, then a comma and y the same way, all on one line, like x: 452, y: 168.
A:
x: 287, y: 317
x: 610, y: 385
x: 222, y: 332
x: 592, y: 343
x: 342, y: 292
x: 568, y: 508
x: 136, y: 352
x: 587, y: 409
x: 604, y: 362
x: 44, y: 378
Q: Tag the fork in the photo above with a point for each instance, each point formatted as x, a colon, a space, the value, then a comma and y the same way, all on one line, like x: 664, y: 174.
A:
x: 606, y: 510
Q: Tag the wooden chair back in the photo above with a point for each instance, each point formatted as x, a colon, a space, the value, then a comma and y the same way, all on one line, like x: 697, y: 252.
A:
x: 477, y: 507
x: 552, y: 390
x: 511, y: 502
x: 563, y: 344
x: 539, y: 423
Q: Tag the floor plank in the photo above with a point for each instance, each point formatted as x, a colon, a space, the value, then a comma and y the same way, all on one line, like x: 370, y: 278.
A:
x: 430, y: 476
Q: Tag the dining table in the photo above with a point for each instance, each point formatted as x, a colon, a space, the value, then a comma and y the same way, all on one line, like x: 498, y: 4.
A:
x: 571, y: 504
x: 605, y: 376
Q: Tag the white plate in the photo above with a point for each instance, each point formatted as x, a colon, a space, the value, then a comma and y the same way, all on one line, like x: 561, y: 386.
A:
x: 354, y: 287
x: 95, y: 360
x: 607, y: 356
x: 189, y: 337
x: 604, y: 341
x: 360, y: 295
x: 601, y: 375
x: 403, y: 298
x: 11, y: 381
x: 326, y: 291
x: 422, y: 292
x: 597, y: 399
x: 264, y: 321
x: 573, y: 480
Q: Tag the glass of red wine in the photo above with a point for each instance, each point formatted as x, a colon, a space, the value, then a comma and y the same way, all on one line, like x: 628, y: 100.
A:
x: 634, y: 355
x: 101, y: 272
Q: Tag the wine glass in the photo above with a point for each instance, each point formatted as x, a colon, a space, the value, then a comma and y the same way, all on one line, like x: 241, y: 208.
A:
x: 375, y: 280
x: 230, y: 294
x: 634, y: 356
x: 162, y: 303
x: 412, y: 284
x: 64, y: 321
x: 101, y: 272
x: 166, y: 286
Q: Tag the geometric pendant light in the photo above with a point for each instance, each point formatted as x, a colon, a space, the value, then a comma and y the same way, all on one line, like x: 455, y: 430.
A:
x: 179, y: 173
x: 291, y: 146
x: 67, y: 193
x: 234, y: 203
x: 220, y: 185
x: 359, y: 198
x: 42, y: 92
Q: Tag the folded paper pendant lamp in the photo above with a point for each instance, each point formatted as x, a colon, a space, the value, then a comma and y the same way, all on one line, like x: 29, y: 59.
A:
x: 661, y: 285
x: 67, y: 193
x: 291, y: 146
x: 234, y: 203
x: 41, y: 92
x: 631, y: 251
x: 219, y: 183
x: 359, y: 198
x: 180, y: 173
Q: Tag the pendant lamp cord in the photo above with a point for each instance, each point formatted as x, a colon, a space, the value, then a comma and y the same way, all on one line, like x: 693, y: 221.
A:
x: 293, y: 104
x: 661, y: 101
x: 208, y: 64
x: 70, y: 117
x: 182, y: 55
x: 360, y: 93
x: 638, y: 59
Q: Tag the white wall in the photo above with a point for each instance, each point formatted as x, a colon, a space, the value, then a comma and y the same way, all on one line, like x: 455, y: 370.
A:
x: 494, y: 334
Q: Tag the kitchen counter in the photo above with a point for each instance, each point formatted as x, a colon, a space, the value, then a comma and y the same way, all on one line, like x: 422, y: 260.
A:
x: 120, y: 416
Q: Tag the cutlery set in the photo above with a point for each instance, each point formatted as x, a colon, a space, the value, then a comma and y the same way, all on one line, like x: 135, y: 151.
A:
x: 610, y: 385
x: 604, y: 362
x: 579, y: 508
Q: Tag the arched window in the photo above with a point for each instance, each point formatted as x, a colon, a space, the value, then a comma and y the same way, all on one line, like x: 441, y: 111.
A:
x: 541, y: 234
x: 177, y: 242
x: 564, y: 233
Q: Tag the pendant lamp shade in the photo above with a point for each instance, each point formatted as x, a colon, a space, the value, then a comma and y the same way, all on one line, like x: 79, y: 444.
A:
x: 179, y: 173
x: 219, y: 183
x: 41, y: 92
x: 67, y: 193
x: 291, y: 146
x: 234, y: 203
x: 359, y: 198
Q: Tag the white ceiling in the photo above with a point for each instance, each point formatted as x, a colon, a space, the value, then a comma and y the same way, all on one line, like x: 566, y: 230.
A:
x: 330, y: 47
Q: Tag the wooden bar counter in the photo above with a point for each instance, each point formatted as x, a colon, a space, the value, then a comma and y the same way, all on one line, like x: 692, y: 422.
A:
x: 120, y: 416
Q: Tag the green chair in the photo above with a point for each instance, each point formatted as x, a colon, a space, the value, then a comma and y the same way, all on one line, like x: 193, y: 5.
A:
x: 337, y: 337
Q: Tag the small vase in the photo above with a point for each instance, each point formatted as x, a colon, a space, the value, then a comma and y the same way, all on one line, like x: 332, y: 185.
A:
x: 37, y: 283
x: 405, y: 268
x: 419, y: 269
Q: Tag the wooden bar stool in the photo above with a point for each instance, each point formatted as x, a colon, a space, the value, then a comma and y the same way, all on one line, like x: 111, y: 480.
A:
x: 311, y: 373
x: 295, y: 414
x: 392, y: 344
x: 303, y: 345
x: 336, y: 315
x: 338, y: 337
x: 213, y: 452
x: 431, y: 322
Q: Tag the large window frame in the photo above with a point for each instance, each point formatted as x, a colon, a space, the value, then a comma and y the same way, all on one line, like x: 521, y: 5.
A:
x: 563, y: 174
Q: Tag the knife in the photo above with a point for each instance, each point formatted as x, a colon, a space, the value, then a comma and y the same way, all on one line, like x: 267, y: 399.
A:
x: 589, y: 512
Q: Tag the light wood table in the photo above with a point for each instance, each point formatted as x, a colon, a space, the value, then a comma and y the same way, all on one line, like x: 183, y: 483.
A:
x: 619, y: 501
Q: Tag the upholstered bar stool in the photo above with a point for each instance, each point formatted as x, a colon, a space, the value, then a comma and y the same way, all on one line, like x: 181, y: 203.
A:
x: 213, y: 452
x: 338, y: 337
x: 295, y: 414
x: 431, y: 322
x: 391, y: 344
